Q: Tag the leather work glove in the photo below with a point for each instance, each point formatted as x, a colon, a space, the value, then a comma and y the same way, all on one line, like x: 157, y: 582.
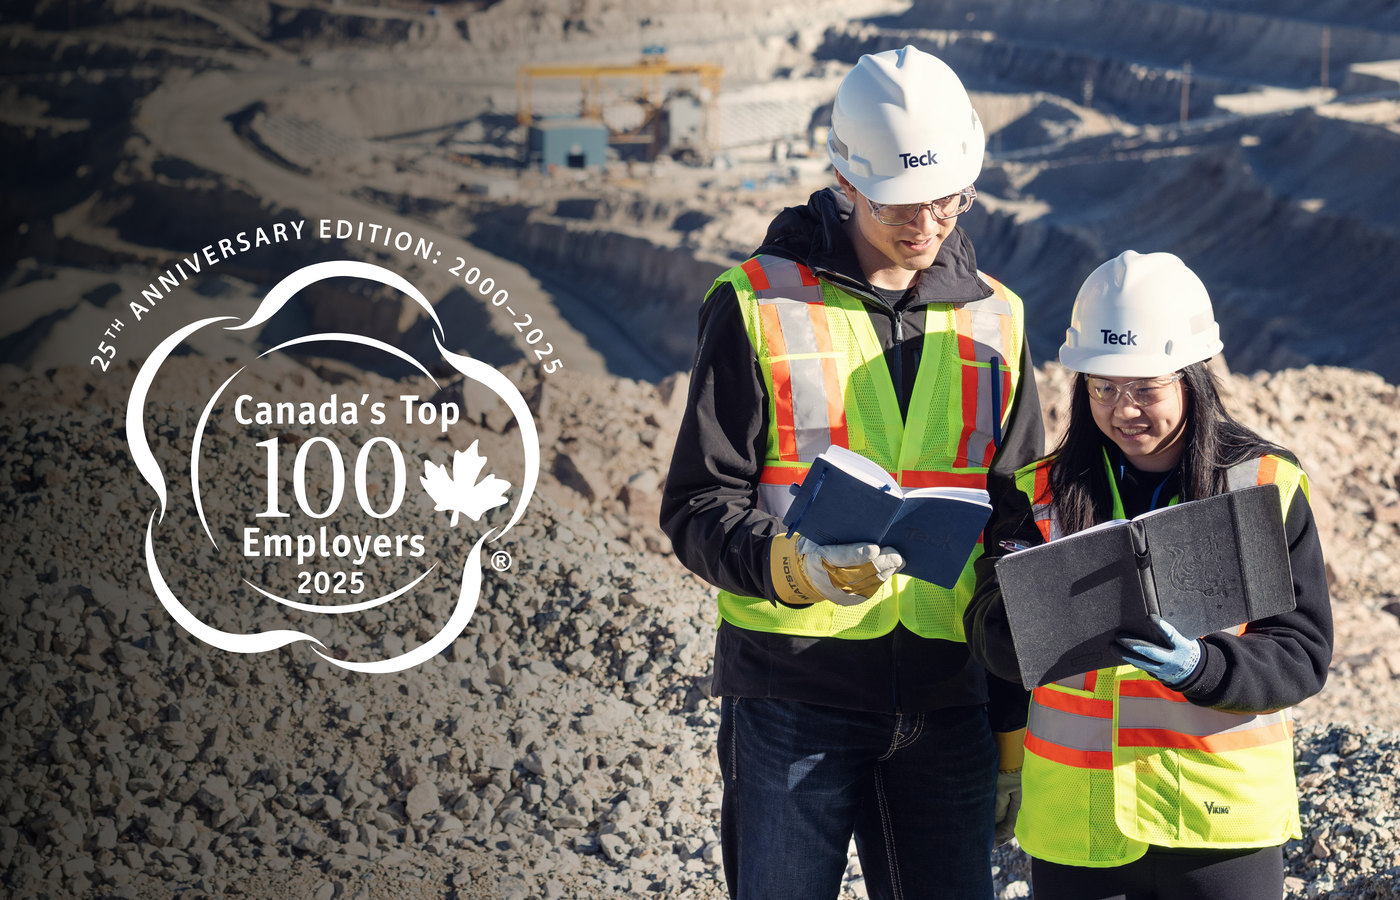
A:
x: 1011, y: 750
x: 846, y: 574
x: 1170, y: 660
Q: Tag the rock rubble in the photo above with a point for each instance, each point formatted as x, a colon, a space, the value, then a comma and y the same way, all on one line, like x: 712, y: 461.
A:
x: 562, y: 747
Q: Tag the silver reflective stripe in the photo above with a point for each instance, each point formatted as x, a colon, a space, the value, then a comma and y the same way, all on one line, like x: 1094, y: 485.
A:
x: 994, y: 305
x: 1243, y: 475
x: 785, y: 282
x: 1070, y: 729
x: 1187, y: 718
x: 1078, y: 682
x: 980, y: 440
x: 984, y: 325
x: 986, y: 318
x: 811, y: 424
x: 1044, y: 512
x: 794, y: 302
x: 774, y: 499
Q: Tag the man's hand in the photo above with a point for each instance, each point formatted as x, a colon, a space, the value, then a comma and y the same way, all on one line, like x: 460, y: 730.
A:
x: 847, y: 574
x: 1011, y: 752
x: 1170, y: 660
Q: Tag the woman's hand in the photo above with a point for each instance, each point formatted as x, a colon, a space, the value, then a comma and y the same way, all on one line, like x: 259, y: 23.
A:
x: 1170, y: 660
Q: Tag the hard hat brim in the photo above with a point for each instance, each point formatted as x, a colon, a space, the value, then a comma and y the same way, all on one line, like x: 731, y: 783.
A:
x: 1125, y: 365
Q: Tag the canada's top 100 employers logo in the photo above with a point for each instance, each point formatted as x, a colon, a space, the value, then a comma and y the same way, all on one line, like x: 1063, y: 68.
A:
x: 315, y: 506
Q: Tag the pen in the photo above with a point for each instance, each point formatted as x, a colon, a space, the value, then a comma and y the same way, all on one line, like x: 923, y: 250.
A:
x: 1012, y: 546
x: 808, y: 505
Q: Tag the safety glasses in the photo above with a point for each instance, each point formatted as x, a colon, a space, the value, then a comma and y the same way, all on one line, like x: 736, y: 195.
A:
x: 1141, y: 393
x: 942, y: 208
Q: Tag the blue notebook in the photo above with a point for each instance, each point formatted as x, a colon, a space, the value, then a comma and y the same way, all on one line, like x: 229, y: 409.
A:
x: 846, y: 498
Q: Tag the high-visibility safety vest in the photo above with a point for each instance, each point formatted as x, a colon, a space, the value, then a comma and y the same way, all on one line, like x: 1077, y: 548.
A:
x: 827, y: 383
x: 1116, y: 761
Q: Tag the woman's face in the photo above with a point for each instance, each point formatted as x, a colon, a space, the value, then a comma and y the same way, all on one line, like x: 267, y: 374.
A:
x: 1147, y: 420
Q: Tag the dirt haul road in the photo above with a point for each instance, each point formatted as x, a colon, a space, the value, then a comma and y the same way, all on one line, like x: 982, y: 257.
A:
x: 187, y: 119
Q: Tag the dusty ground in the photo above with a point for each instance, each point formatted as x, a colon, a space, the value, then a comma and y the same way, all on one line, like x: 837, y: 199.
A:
x: 562, y: 746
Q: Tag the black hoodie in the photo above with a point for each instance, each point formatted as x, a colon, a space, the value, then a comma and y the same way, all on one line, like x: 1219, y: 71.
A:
x: 708, y: 507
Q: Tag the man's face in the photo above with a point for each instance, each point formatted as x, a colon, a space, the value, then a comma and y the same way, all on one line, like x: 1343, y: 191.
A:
x: 892, y: 255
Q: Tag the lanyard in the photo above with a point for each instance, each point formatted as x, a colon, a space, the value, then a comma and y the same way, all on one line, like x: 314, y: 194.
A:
x: 1157, y: 492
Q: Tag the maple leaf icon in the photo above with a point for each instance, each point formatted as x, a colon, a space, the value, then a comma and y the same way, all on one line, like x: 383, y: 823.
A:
x: 460, y: 492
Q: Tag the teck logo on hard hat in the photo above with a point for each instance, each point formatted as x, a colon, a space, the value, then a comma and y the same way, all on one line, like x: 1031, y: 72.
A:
x: 914, y: 160
x: 1126, y: 339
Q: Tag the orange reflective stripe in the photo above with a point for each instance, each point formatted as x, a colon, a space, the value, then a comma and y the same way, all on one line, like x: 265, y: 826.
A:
x: 967, y: 350
x: 1210, y: 743
x: 1069, y: 731
x: 1040, y: 503
x: 985, y: 335
x: 835, y: 400
x: 1091, y: 681
x: 782, y: 382
x: 1073, y: 703
x: 1243, y: 475
x: 915, y: 479
x: 797, y: 331
x: 757, y: 279
x: 1150, y: 688
x: 907, y: 478
x: 774, y: 488
x: 1268, y: 470
x: 1068, y: 756
x: 1042, y: 485
x: 773, y: 277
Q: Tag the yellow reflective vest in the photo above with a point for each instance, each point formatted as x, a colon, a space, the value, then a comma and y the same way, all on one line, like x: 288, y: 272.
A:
x: 827, y: 383
x: 1116, y: 761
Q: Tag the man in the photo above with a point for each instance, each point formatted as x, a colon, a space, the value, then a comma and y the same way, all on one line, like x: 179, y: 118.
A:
x: 850, y: 704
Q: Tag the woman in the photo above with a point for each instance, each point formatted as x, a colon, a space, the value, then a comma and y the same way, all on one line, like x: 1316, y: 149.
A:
x: 1171, y: 776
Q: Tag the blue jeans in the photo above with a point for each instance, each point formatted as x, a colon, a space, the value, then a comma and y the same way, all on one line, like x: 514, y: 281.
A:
x: 916, y: 790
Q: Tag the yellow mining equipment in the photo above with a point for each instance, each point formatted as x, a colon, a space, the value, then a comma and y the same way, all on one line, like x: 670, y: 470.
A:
x: 667, y: 90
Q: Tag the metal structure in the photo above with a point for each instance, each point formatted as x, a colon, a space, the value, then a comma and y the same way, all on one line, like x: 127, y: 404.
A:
x: 653, y: 71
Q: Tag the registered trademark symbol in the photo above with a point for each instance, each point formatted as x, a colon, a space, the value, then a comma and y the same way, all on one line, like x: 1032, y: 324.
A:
x: 500, y: 560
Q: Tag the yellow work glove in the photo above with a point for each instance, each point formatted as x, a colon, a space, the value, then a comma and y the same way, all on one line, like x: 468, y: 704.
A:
x: 804, y: 572
x: 1011, y: 751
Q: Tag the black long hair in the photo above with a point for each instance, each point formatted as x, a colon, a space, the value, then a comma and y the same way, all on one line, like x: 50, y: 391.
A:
x: 1214, y: 441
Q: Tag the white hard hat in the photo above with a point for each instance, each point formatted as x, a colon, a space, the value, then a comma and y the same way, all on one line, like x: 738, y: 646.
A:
x: 903, y: 129
x: 1140, y: 314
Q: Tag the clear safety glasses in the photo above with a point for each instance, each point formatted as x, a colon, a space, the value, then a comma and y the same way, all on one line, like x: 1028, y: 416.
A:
x: 942, y: 208
x: 1141, y: 393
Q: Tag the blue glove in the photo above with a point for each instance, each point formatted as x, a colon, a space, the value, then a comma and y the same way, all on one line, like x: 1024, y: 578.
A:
x: 1170, y: 660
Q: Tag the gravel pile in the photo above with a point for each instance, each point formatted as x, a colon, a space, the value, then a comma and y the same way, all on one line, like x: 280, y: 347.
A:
x: 562, y: 747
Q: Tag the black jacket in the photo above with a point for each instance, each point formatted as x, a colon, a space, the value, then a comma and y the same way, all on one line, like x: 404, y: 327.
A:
x: 1278, y: 662
x: 708, y: 506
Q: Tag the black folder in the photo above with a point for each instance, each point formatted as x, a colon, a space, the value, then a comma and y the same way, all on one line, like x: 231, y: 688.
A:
x: 1203, y: 566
